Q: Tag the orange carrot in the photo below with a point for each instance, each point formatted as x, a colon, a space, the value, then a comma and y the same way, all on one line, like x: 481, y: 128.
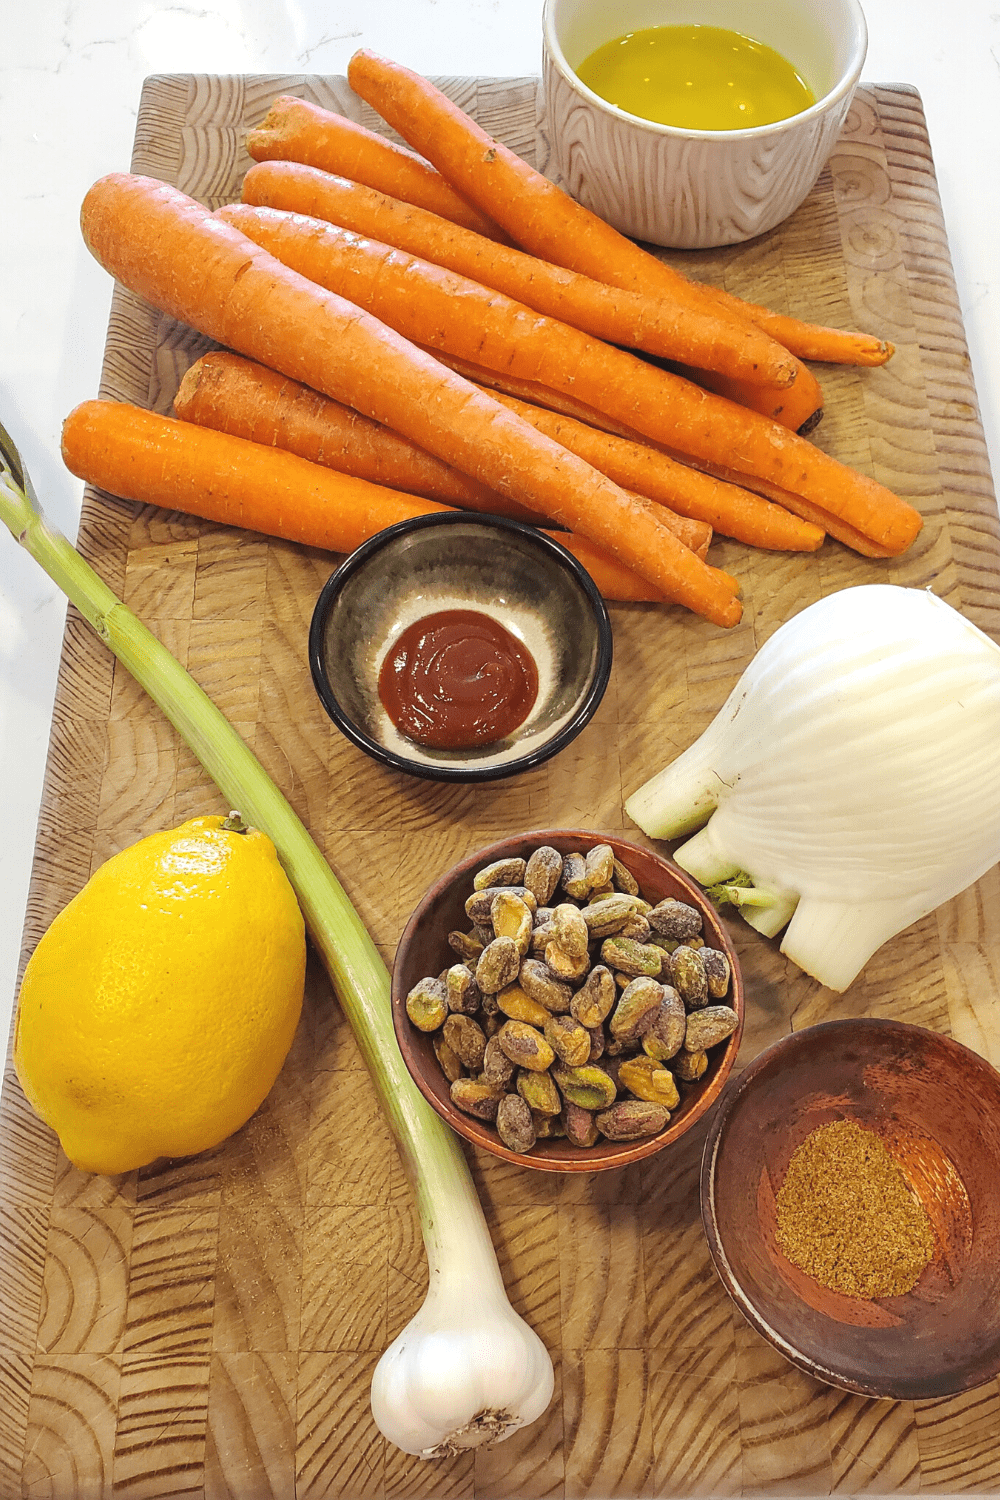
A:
x: 833, y: 346
x: 193, y: 266
x: 295, y: 130
x: 799, y: 407
x: 616, y: 583
x: 567, y: 405
x: 727, y: 508
x: 656, y: 325
x: 459, y: 319
x: 538, y: 215
x: 154, y: 460
x: 237, y: 396
x: 545, y: 220
x: 806, y: 509
x: 298, y: 132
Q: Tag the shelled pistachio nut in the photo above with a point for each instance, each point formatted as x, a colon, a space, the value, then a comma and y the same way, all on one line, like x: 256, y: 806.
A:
x: 476, y: 1098
x: 501, y: 872
x: 590, y: 1087
x: 710, y: 1026
x: 525, y: 1046
x: 515, y: 1125
x: 632, y: 1119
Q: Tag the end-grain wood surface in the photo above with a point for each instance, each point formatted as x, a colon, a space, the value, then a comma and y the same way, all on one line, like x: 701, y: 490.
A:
x: 210, y: 1327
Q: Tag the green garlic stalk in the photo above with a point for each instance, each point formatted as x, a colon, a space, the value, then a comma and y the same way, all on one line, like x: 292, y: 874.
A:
x: 467, y: 1369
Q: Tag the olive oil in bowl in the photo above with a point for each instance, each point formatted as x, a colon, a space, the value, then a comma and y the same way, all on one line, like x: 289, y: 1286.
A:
x: 696, y: 78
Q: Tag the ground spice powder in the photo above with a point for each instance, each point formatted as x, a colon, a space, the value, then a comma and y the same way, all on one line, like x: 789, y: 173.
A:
x: 846, y: 1216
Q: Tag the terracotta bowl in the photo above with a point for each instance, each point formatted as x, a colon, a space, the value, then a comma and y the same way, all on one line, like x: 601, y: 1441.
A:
x: 423, y: 950
x: 936, y: 1105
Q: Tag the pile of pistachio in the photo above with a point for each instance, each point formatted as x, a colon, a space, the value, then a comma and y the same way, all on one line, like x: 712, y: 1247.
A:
x: 576, y: 1007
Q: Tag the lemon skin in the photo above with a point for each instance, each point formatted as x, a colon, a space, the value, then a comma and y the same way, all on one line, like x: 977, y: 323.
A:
x: 157, y: 1010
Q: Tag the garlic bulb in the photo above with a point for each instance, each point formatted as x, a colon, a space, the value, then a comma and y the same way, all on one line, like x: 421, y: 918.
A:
x: 853, y: 773
x: 467, y: 1370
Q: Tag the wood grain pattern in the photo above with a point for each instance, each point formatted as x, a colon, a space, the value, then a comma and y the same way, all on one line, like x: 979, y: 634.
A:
x: 210, y: 1327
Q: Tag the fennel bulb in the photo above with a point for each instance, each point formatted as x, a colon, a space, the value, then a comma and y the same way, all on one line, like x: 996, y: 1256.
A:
x: 853, y: 774
x: 488, y: 1373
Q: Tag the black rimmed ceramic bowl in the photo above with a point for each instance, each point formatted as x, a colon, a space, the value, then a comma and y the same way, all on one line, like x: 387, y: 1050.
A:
x: 936, y: 1107
x: 504, y: 569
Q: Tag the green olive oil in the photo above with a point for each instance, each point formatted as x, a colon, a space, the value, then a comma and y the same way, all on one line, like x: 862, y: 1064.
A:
x: 697, y: 78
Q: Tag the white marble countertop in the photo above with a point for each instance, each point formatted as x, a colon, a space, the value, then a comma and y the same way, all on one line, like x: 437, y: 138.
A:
x: 70, y: 80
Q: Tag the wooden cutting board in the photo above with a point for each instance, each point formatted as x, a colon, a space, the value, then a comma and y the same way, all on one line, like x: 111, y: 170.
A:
x: 210, y: 1327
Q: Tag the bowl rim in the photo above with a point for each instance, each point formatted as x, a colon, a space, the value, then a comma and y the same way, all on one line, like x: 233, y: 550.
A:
x: 626, y: 1152
x: 736, y: 1088
x: 391, y: 758
x: 845, y: 86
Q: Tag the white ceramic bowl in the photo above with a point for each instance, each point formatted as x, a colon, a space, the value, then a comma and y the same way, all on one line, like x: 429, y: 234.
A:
x: 694, y: 189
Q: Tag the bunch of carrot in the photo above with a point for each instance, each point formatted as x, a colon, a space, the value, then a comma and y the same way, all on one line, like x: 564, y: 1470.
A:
x: 174, y: 253
x: 409, y: 336
x: 540, y: 250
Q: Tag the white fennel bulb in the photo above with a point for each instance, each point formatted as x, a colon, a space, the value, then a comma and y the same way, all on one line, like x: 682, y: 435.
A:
x: 853, y: 774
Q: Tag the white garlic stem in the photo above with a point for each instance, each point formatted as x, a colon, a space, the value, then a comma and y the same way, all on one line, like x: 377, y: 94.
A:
x: 466, y: 1370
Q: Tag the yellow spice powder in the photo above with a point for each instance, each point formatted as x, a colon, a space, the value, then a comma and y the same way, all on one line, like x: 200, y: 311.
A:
x: 847, y: 1217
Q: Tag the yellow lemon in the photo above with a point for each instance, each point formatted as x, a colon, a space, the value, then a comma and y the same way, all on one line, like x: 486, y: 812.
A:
x: 158, y: 1008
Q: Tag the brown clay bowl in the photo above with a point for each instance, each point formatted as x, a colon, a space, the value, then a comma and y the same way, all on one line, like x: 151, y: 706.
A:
x: 423, y: 950
x: 936, y: 1106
